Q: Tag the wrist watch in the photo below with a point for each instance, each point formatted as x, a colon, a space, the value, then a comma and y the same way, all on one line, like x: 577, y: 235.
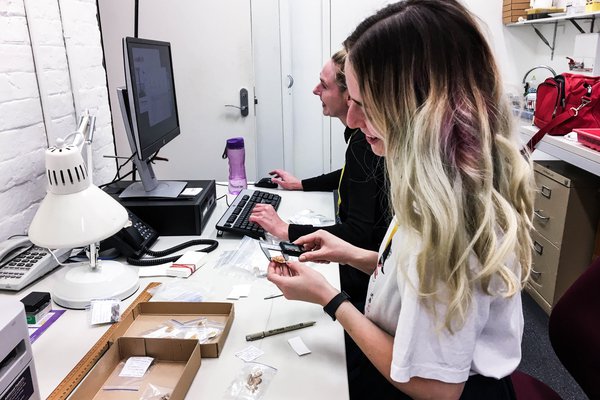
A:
x: 331, y: 307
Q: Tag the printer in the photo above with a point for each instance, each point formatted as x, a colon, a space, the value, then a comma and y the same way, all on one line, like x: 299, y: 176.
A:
x: 18, y: 379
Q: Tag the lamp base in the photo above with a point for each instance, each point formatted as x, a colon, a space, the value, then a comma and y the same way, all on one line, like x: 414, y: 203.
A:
x: 76, y: 286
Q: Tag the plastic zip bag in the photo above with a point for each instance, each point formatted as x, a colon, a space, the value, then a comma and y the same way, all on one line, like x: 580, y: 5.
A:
x: 251, y: 382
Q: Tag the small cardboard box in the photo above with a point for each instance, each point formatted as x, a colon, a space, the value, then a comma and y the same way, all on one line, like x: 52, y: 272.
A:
x: 149, y: 315
x: 176, y: 362
x: 513, y: 9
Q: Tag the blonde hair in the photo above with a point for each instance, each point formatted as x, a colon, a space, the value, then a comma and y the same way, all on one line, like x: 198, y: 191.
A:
x: 429, y: 83
x: 339, y: 60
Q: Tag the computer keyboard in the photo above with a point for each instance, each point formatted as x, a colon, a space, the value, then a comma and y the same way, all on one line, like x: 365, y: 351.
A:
x: 235, y: 219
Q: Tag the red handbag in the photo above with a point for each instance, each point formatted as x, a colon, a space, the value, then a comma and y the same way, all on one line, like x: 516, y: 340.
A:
x: 564, y: 103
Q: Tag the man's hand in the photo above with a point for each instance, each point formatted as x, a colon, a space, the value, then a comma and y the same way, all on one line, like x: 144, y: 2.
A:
x: 286, y: 180
x: 266, y: 216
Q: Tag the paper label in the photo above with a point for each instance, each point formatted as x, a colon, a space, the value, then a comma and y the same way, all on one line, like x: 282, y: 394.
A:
x: 105, y: 311
x: 250, y: 353
x: 136, y: 367
x: 298, y: 346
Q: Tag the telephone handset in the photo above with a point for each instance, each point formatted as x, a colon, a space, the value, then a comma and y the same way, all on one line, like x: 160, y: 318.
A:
x: 21, y: 262
x: 134, y: 242
x: 11, y: 248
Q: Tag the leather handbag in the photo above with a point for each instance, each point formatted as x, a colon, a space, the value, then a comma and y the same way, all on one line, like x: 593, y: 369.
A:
x: 566, y: 102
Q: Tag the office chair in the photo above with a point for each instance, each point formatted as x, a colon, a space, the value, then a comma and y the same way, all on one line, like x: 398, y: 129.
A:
x: 574, y: 328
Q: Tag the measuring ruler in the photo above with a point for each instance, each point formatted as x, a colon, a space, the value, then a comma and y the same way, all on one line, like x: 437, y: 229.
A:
x: 73, y: 378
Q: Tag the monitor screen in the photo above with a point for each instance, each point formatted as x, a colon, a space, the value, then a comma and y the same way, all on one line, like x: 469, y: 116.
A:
x: 151, y: 91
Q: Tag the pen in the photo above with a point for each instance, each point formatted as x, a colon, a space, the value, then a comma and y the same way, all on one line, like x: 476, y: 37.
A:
x: 276, y: 331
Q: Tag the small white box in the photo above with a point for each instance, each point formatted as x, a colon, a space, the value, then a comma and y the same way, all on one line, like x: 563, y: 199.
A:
x: 187, y: 264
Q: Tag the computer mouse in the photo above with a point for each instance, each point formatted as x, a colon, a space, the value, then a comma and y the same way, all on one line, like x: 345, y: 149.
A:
x: 266, y: 183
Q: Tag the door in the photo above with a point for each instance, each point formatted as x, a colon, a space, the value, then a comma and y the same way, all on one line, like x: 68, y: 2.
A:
x: 211, y: 46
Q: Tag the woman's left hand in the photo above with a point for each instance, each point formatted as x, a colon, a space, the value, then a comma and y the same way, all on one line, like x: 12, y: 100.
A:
x: 300, y: 282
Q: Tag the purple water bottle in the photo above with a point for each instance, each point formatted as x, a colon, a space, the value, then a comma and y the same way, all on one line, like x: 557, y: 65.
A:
x: 235, y: 153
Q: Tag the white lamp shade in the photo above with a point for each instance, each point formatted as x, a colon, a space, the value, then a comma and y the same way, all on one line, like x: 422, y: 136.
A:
x: 76, y: 219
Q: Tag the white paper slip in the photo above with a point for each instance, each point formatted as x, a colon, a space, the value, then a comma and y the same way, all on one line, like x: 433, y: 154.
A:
x: 190, y: 191
x: 239, y: 291
x: 250, y: 353
x: 187, y: 264
x: 298, y: 346
x: 136, y: 367
x: 105, y: 311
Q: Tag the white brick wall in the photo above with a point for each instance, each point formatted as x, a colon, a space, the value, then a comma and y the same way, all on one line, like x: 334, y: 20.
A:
x: 50, y: 71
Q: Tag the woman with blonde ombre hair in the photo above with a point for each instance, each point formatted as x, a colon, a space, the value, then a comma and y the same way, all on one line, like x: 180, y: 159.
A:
x: 443, y: 316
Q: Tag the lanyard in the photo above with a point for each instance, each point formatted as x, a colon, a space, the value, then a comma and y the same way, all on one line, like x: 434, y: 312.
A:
x: 388, y: 247
x: 342, y: 176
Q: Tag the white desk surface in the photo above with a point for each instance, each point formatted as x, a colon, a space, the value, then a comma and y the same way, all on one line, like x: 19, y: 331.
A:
x: 318, y: 375
x: 564, y: 148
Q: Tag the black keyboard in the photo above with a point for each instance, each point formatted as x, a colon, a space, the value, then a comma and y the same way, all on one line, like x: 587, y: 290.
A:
x: 235, y: 219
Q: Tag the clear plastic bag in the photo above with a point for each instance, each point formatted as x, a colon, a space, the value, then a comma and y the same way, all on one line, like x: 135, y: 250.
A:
x: 247, y: 261
x: 154, y: 392
x: 309, y: 217
x: 202, y: 329
x: 115, y: 382
x: 179, y: 290
x: 251, y: 382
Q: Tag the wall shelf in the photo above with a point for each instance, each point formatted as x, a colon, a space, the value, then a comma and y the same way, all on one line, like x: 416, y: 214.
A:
x: 555, y: 20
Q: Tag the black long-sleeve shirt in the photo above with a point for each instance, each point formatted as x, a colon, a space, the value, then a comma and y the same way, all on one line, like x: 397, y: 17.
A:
x: 363, y: 211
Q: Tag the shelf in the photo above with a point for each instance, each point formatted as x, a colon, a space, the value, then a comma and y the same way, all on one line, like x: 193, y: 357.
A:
x: 555, y: 20
x: 565, y: 148
x: 550, y: 20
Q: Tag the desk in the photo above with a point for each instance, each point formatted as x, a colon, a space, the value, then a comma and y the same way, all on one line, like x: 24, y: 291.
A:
x: 563, y: 148
x: 319, y: 375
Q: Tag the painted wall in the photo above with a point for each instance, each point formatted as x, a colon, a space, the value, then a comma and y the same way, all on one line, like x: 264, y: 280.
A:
x: 50, y: 70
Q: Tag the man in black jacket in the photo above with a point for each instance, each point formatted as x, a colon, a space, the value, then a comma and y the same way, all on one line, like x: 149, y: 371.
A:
x: 362, y: 215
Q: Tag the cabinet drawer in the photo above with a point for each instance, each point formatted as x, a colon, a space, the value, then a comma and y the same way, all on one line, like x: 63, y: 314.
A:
x: 551, y: 201
x: 545, y: 267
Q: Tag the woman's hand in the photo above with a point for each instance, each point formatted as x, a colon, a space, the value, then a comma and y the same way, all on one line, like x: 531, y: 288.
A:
x: 266, y: 216
x: 300, y: 282
x: 322, y: 246
x: 285, y: 180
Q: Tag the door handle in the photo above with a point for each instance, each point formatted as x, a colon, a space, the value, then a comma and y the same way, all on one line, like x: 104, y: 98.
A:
x: 243, y: 107
x: 290, y: 81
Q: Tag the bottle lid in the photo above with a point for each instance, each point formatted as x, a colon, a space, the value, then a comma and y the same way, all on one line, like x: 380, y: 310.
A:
x: 235, y: 143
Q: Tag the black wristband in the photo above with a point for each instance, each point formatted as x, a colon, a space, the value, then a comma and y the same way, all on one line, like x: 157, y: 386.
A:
x: 335, y: 303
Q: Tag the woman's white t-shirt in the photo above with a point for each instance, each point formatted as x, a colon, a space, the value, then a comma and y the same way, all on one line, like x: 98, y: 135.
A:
x: 489, y: 343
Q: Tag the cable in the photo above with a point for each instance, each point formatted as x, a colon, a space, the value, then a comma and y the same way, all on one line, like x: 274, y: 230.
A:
x: 212, y: 244
x: 226, y: 200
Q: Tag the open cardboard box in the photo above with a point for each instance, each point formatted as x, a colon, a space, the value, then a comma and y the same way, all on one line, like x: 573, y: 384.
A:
x: 176, y: 362
x: 150, y: 315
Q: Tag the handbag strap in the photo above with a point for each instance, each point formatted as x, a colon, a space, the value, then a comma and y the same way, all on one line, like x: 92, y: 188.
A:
x: 557, y: 121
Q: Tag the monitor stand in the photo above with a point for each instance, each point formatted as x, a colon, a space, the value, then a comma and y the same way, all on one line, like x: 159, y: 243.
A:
x: 164, y: 189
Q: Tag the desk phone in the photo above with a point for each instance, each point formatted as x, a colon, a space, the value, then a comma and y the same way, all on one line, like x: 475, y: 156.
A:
x: 21, y: 262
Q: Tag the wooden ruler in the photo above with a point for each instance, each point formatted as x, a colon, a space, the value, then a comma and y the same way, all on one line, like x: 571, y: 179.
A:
x: 73, y: 378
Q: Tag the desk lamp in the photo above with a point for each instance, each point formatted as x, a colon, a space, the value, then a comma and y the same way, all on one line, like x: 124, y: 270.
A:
x: 76, y: 213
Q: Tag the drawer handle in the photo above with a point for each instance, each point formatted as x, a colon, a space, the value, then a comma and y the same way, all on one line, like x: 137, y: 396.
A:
x: 539, y: 215
x: 546, y: 192
x: 538, y: 248
x: 536, y: 276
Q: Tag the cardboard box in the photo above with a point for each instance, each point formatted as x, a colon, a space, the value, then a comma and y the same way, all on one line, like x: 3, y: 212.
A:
x: 513, y: 9
x: 176, y: 362
x: 149, y: 315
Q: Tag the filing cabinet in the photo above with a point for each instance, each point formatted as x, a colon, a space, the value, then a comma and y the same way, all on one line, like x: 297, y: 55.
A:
x: 567, y: 210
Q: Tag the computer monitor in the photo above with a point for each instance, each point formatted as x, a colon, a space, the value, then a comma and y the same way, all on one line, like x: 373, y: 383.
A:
x: 149, y: 109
